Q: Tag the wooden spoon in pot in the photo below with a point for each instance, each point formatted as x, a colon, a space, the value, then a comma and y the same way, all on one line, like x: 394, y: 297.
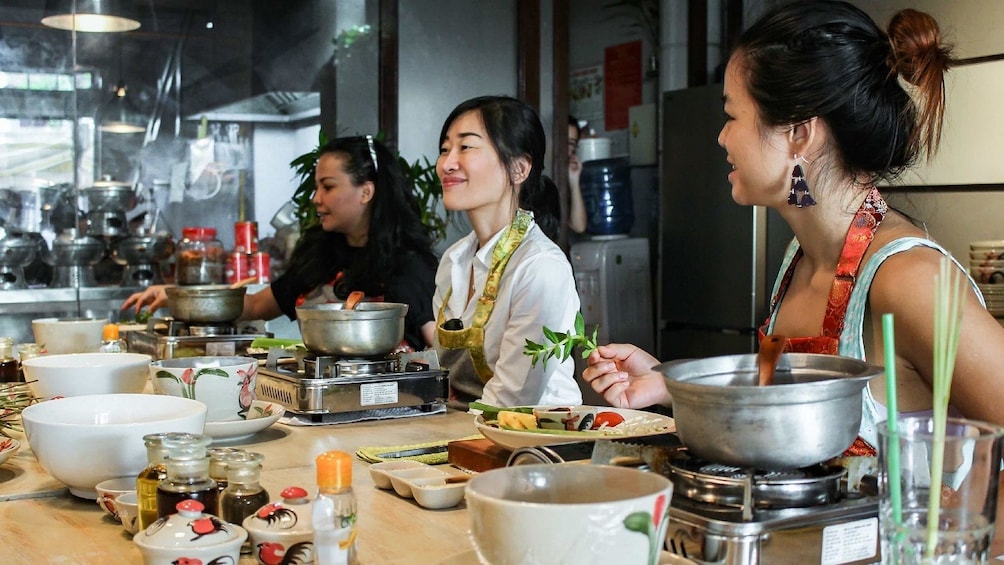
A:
x: 771, y: 347
x: 355, y: 297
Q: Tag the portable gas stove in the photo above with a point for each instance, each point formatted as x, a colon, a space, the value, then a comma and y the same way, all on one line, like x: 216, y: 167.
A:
x: 166, y: 338
x: 731, y: 516
x: 315, y: 386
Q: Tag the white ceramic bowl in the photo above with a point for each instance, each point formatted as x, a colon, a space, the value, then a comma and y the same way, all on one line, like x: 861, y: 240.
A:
x: 986, y: 244
x: 68, y: 335
x: 128, y: 508
x: 76, y: 374
x: 110, y: 490
x: 83, y: 440
x: 225, y: 384
x: 568, y: 513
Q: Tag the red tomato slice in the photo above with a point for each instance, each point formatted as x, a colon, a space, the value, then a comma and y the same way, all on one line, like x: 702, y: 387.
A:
x: 610, y: 419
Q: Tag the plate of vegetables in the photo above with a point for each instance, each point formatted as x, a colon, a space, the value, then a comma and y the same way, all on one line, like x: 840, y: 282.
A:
x: 521, y: 426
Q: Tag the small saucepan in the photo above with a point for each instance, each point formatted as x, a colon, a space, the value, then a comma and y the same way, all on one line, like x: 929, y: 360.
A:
x: 205, y: 303
x: 810, y: 413
x: 368, y: 329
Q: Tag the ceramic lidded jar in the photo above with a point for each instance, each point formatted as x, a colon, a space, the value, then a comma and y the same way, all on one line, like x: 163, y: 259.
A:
x: 191, y: 536
x: 283, y: 528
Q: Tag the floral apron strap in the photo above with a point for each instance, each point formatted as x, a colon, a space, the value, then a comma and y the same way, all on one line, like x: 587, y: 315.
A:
x: 473, y: 338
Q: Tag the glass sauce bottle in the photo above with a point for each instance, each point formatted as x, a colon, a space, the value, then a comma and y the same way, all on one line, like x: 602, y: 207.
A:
x: 334, y: 511
x: 8, y: 364
x: 244, y: 495
x: 218, y: 457
x: 187, y: 475
x: 149, y: 479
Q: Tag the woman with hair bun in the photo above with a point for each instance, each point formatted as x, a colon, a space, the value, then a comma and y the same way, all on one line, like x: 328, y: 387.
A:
x: 817, y: 113
x: 506, y: 280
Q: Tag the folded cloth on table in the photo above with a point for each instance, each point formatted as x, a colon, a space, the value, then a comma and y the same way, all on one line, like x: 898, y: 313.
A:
x: 372, y: 454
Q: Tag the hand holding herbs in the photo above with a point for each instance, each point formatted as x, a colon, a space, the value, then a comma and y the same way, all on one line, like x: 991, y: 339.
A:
x: 562, y: 343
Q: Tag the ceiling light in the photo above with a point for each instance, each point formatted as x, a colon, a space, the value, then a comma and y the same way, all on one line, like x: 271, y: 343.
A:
x: 90, y: 16
x: 118, y: 114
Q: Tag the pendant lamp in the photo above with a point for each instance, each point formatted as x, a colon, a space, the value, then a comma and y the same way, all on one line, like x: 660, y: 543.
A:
x: 90, y: 15
x: 118, y: 115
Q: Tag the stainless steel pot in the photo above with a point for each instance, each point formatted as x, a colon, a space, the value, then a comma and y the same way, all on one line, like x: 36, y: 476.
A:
x: 205, y: 303
x: 810, y: 414
x: 372, y: 328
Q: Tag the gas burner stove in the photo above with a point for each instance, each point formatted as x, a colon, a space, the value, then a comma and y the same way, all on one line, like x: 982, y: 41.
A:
x: 317, y: 385
x: 733, y: 516
x: 167, y: 338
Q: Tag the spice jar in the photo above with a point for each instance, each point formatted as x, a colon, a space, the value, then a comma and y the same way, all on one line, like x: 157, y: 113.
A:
x: 199, y: 257
x: 187, y: 474
x: 244, y: 494
x: 8, y: 364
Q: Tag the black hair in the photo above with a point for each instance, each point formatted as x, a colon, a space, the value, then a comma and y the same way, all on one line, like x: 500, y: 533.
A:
x: 829, y: 59
x: 515, y: 131
x: 395, y: 226
x: 574, y: 122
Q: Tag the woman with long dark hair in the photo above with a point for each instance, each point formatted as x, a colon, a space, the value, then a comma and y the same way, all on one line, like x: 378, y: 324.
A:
x: 502, y: 283
x: 817, y: 114
x: 369, y: 237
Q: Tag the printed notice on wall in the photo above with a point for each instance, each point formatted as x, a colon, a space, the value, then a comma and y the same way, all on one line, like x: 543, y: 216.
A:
x: 585, y: 89
x: 622, y: 78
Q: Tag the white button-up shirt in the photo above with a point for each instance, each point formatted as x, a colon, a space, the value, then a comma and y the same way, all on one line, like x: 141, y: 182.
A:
x: 537, y: 289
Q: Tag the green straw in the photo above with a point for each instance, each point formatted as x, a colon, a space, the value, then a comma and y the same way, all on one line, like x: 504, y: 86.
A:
x: 892, y: 453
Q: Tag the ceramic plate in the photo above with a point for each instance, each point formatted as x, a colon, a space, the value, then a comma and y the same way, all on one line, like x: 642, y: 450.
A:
x: 511, y: 439
x: 267, y: 413
x: 8, y: 447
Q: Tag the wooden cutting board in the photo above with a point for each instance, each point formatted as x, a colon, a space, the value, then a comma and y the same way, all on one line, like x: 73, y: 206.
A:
x: 476, y: 455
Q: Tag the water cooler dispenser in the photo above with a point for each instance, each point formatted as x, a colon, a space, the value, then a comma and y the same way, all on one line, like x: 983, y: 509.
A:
x: 613, y: 278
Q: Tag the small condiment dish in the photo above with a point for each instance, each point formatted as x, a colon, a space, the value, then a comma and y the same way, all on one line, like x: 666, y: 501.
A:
x: 127, y: 505
x: 437, y: 493
x: 110, y: 490
x: 380, y: 472
x: 402, y: 479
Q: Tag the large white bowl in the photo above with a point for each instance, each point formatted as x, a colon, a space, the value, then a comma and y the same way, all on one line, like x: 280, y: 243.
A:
x: 77, y: 374
x: 225, y: 384
x: 535, y: 514
x: 83, y: 440
x: 68, y: 335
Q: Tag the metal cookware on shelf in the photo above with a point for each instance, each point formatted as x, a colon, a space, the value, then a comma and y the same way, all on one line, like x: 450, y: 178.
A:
x: 371, y: 328
x: 205, y: 303
x: 810, y: 414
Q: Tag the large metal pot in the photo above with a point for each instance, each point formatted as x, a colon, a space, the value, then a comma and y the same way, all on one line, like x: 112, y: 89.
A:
x: 372, y: 328
x: 205, y: 303
x: 810, y: 414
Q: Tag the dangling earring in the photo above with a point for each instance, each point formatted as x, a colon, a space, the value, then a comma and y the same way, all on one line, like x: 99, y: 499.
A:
x: 799, y: 195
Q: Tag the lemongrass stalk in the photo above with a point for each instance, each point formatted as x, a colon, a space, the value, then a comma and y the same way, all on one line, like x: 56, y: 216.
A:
x: 947, y: 328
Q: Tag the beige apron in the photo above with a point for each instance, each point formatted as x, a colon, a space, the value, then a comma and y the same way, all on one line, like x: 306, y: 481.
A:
x: 472, y: 339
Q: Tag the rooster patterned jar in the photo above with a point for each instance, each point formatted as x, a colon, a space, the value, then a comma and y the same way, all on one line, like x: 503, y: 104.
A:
x: 282, y: 531
x: 190, y: 536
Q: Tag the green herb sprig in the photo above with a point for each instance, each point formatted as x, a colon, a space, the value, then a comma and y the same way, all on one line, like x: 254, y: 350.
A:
x: 562, y: 343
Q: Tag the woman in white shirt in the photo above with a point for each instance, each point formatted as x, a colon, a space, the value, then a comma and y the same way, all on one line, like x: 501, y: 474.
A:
x: 502, y: 283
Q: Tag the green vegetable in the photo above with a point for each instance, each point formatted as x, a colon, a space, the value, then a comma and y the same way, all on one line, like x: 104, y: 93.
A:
x: 490, y: 412
x: 562, y: 343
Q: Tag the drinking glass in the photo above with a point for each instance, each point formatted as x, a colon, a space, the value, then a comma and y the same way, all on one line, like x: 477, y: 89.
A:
x: 968, y: 494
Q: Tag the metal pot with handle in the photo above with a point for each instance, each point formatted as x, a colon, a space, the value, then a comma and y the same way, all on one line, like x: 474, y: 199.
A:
x: 370, y: 328
x: 205, y: 303
x: 810, y: 414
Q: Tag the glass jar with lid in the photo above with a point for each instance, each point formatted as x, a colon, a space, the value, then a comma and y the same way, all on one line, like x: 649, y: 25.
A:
x: 200, y: 258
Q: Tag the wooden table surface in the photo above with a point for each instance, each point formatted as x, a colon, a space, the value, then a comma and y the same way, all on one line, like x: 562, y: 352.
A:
x: 40, y: 522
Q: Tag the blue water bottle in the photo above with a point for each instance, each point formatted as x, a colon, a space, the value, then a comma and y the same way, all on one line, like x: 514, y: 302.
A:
x: 606, y: 194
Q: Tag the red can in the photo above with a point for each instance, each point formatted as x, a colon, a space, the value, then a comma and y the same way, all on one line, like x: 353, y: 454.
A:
x: 238, y: 267
x: 246, y: 237
x: 260, y: 262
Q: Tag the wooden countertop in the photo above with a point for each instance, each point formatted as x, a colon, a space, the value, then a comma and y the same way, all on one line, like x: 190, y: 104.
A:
x: 43, y: 523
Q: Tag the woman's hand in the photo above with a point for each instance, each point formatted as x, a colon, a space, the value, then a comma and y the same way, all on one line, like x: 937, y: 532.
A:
x: 623, y: 374
x: 153, y: 297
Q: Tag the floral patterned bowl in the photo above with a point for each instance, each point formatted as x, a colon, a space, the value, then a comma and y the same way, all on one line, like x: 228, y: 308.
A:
x: 225, y: 384
x: 8, y: 447
x: 568, y: 514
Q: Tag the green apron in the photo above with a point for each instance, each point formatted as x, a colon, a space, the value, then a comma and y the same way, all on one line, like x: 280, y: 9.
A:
x: 473, y: 338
